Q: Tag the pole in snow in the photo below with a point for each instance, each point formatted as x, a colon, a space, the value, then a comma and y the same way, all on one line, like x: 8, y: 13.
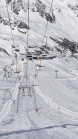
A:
x: 33, y: 91
x: 56, y: 73
x: 18, y: 101
x: 8, y: 74
x: 46, y: 39
x: 16, y: 62
x: 23, y: 92
x: 41, y: 59
x: 18, y: 94
x: 5, y: 70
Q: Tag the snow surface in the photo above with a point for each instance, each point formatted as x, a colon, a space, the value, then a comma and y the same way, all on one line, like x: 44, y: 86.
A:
x: 65, y: 25
x: 56, y: 97
x: 56, y: 100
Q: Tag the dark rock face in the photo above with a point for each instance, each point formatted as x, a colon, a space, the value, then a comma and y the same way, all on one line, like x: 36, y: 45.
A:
x: 16, y: 11
x: 38, y: 6
x: 1, y: 19
x: 5, y: 22
x: 66, y: 44
x: 16, y: 23
x: 41, y: 8
x: 74, y: 8
x: 3, y: 50
x: 15, y: 6
x: 8, y: 1
x: 50, y: 18
x: 22, y: 25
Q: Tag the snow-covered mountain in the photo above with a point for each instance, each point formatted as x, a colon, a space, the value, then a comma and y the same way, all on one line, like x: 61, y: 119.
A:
x: 39, y: 98
x: 62, y: 20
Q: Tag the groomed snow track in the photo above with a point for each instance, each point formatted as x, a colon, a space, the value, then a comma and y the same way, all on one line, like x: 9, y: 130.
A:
x: 54, y: 105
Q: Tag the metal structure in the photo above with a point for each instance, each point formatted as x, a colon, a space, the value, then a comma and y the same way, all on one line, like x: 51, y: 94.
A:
x: 26, y: 88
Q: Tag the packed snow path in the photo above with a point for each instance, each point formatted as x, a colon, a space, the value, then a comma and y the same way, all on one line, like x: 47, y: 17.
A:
x: 54, y: 105
x: 51, y: 118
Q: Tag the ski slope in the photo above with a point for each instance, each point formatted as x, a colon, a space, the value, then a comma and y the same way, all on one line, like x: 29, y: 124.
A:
x: 56, y: 98
x: 57, y: 110
x: 65, y: 26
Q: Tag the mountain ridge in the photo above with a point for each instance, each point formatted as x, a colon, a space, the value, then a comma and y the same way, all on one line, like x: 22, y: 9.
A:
x: 62, y: 23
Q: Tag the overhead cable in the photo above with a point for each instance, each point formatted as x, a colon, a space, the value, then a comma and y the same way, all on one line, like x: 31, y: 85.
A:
x: 10, y: 22
x: 47, y: 23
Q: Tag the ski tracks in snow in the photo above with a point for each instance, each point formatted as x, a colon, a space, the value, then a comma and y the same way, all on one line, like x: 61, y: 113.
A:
x: 7, y: 107
x: 61, y: 70
x: 54, y: 105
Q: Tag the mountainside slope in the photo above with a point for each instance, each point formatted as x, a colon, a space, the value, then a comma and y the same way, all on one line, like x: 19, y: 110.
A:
x: 39, y: 99
x: 62, y: 24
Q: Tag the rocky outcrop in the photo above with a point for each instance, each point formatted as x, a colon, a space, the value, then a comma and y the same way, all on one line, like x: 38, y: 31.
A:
x: 38, y: 6
x: 15, y: 23
x: 22, y: 25
x: 65, y: 44
x: 74, y: 8
x: 41, y: 8
x: 8, y: 1
x: 5, y: 22
x: 0, y: 19
x: 3, y: 50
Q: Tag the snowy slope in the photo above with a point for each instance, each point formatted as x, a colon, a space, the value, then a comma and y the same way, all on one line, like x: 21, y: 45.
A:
x: 55, y: 96
x: 56, y: 99
x: 62, y: 23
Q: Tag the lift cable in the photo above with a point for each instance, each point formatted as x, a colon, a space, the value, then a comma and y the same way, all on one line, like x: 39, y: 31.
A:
x: 28, y: 27
x: 47, y: 23
x: 10, y: 23
x: 27, y: 46
x: 35, y: 75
